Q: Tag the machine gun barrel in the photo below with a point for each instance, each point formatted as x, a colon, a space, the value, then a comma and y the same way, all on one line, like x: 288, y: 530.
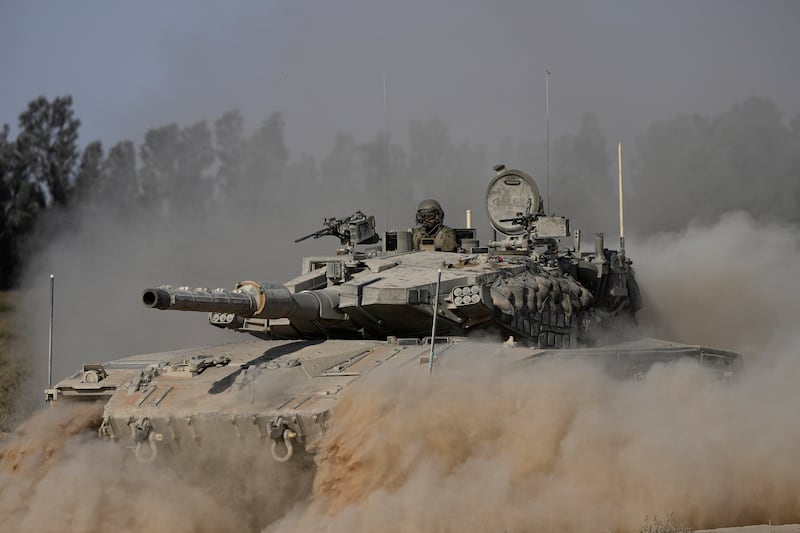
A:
x: 316, y: 234
x: 250, y: 299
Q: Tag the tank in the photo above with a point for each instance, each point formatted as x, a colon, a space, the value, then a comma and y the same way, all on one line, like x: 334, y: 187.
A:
x: 529, y: 293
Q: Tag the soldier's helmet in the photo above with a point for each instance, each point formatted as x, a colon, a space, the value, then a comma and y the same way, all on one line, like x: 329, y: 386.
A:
x: 430, y: 216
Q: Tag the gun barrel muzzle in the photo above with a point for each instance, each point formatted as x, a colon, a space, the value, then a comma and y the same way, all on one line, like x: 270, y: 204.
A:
x: 156, y: 298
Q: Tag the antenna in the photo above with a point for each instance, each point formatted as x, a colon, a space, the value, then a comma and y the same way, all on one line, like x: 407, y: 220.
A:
x: 386, y: 169
x: 547, y: 97
x: 50, y: 349
x: 433, y: 328
x: 621, y: 217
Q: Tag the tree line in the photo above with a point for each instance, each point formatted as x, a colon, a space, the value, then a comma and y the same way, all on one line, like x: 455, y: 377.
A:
x: 690, y: 166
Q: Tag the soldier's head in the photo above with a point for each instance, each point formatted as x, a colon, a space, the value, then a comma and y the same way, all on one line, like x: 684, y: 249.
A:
x: 430, y: 216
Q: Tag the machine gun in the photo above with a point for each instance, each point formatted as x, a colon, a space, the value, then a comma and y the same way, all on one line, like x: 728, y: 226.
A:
x: 536, y: 229
x: 525, y: 219
x: 355, y: 229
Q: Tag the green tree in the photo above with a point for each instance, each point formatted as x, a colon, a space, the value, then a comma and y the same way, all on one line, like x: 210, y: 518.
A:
x: 195, y: 156
x: 174, y: 164
x: 266, y: 159
x: 120, y: 177
x: 6, y: 151
x: 48, y: 145
x: 21, y: 201
x: 230, y: 150
x: 89, y: 179
x: 159, y: 155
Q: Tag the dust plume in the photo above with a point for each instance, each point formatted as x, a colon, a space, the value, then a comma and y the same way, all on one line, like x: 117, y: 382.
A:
x: 484, y: 445
x: 555, y: 446
x: 560, y: 446
x: 104, y: 263
x: 733, y: 284
x: 56, y: 475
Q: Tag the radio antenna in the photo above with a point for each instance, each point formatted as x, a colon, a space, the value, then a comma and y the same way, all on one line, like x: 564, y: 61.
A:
x: 386, y: 168
x: 431, y: 355
x: 50, y: 340
x: 547, y: 98
x: 621, y: 211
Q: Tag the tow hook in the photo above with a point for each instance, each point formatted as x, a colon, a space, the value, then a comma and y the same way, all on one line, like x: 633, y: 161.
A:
x: 279, y: 431
x: 141, y: 431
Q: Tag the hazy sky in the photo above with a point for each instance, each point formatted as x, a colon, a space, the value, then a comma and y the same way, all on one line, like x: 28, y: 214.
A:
x: 480, y: 66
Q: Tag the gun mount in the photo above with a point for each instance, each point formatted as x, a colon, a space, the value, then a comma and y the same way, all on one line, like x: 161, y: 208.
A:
x: 527, y: 228
x: 355, y: 229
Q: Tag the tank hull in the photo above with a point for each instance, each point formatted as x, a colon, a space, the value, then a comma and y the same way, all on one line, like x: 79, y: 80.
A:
x: 279, y: 394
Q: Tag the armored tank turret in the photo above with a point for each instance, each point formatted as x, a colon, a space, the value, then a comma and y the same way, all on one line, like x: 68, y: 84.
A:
x: 369, y: 305
x: 523, y: 285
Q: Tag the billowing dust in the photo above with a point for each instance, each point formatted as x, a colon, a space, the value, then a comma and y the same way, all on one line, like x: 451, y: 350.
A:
x: 484, y: 446
x: 56, y: 475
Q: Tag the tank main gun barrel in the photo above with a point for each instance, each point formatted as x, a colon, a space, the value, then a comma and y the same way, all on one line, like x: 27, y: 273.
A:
x: 185, y: 299
x: 250, y: 299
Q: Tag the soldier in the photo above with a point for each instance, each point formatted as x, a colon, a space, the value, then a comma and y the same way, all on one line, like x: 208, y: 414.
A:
x: 430, y: 225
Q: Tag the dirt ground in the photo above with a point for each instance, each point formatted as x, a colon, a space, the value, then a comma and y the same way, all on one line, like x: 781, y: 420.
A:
x: 791, y: 528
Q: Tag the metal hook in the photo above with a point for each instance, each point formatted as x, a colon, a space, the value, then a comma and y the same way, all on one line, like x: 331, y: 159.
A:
x: 288, y: 435
x: 153, y: 450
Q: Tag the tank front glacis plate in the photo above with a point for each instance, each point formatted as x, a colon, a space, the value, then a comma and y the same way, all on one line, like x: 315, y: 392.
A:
x: 258, y: 390
x: 279, y: 394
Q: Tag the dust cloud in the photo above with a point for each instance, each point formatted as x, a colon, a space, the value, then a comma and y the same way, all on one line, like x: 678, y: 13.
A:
x: 560, y: 446
x: 102, y: 266
x: 56, y: 475
x: 481, y: 445
x: 733, y: 284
